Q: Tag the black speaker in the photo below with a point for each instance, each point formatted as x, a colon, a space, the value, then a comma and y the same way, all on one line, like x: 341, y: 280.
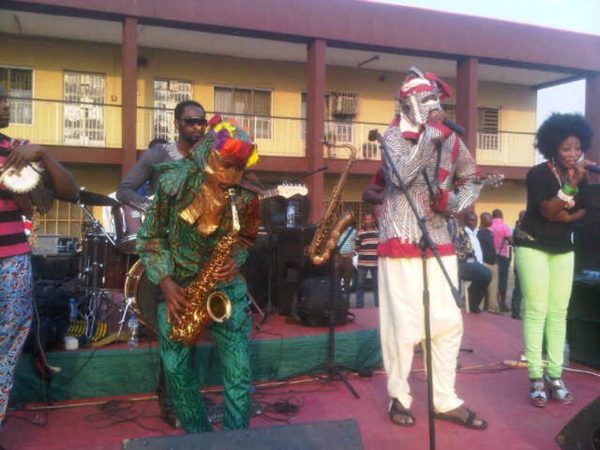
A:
x: 291, y: 264
x: 256, y: 269
x: 314, y: 303
x: 583, y: 431
x: 586, y: 237
x: 342, y: 434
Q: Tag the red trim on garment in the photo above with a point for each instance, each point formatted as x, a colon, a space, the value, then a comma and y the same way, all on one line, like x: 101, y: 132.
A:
x: 443, y: 174
x: 446, y: 132
x: 411, y: 135
x: 395, y: 248
x: 455, y: 150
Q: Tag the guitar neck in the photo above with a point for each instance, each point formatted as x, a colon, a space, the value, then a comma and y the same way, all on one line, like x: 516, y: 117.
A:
x: 267, y: 194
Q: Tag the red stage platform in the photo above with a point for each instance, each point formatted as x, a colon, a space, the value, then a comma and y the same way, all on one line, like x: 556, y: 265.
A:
x: 496, y: 393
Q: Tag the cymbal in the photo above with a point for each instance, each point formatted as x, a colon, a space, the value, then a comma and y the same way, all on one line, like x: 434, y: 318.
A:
x: 94, y: 199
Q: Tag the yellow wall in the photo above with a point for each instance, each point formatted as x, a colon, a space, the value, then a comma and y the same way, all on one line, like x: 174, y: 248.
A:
x: 511, y: 198
x: 50, y: 58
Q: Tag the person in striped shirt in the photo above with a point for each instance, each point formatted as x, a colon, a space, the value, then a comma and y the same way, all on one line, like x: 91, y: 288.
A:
x: 367, y: 240
x: 16, y: 284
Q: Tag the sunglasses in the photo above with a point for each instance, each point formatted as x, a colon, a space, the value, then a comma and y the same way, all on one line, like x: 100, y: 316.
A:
x: 190, y: 121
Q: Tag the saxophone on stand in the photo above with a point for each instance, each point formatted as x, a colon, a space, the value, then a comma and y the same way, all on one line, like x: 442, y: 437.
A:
x: 331, y: 227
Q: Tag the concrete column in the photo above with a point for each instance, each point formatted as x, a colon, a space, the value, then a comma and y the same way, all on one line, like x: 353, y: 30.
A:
x: 592, y: 113
x: 466, y: 100
x: 315, y: 124
x: 129, y: 93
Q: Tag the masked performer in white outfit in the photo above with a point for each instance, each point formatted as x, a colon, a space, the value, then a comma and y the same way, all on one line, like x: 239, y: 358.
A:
x: 439, y: 172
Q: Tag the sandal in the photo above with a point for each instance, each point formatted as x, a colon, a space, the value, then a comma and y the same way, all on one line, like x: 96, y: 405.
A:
x: 558, y: 391
x: 469, y: 422
x: 537, y: 393
x: 400, y: 415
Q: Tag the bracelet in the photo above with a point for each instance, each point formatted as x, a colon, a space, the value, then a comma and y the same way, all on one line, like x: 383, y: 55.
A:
x: 564, y: 197
x: 572, y: 191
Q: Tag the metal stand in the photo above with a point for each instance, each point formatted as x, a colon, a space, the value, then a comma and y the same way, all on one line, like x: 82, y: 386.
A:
x: 94, y: 292
x: 331, y: 367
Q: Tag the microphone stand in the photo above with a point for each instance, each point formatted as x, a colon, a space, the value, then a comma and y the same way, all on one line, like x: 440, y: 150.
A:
x: 307, y: 174
x: 425, y: 243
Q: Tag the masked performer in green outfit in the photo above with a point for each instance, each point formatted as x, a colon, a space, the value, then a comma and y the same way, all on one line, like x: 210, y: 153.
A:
x: 199, y: 203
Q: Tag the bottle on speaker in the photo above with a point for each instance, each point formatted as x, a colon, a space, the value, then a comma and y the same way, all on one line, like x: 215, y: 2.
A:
x: 133, y: 327
x: 291, y: 215
x: 72, y: 309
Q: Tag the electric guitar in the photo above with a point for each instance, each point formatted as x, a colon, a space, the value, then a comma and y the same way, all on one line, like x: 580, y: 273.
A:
x: 287, y: 190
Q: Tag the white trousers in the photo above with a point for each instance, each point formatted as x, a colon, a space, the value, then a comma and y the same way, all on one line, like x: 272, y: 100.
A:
x: 402, y: 326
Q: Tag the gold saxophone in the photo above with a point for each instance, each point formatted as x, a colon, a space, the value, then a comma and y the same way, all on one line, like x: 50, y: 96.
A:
x: 329, y: 229
x: 203, y: 303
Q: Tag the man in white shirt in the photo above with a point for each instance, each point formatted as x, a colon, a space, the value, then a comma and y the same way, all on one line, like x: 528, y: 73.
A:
x: 470, y: 265
x: 471, y: 231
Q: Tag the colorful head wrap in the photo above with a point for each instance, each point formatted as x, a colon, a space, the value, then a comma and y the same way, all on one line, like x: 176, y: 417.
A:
x: 232, y: 142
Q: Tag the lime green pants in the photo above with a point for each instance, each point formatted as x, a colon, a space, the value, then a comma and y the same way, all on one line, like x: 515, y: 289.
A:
x: 546, y: 281
x: 231, y: 343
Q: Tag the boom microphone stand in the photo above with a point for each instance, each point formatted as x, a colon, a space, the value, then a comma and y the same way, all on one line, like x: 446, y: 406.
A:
x: 425, y: 243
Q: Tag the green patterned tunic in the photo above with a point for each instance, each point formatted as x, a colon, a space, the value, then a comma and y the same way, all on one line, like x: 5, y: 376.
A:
x: 169, y: 246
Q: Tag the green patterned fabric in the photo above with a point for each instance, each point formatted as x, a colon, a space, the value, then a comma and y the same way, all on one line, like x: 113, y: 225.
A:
x: 169, y: 246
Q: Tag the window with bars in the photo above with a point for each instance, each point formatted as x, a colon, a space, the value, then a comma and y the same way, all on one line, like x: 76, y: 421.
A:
x: 251, y: 108
x: 487, y: 126
x: 18, y: 83
x: 84, y: 95
x: 337, y: 128
x: 167, y: 94
x: 63, y: 218
x: 487, y: 129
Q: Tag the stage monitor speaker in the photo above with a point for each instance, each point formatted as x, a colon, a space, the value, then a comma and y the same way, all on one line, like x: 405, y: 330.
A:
x: 342, y: 434
x: 583, y: 431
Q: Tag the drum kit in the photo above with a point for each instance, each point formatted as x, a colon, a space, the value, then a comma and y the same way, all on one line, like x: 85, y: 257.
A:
x: 107, y: 261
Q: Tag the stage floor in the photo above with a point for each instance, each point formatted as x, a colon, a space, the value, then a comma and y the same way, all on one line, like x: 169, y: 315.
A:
x: 498, y: 394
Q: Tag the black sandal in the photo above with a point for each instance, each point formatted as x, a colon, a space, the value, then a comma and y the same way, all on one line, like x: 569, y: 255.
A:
x: 400, y: 415
x: 469, y: 423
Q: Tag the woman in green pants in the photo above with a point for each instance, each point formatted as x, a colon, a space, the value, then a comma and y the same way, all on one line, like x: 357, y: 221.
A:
x: 544, y: 253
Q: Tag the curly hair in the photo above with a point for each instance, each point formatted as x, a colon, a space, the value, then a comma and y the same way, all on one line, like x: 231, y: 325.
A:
x: 559, y: 127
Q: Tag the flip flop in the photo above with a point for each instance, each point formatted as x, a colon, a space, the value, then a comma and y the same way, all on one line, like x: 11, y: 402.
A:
x: 400, y: 415
x: 469, y: 423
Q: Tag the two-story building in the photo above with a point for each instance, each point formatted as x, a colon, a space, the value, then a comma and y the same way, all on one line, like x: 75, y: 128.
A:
x: 96, y: 80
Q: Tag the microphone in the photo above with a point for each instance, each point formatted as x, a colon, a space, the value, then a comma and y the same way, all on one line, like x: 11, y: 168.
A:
x: 593, y: 169
x: 454, y: 126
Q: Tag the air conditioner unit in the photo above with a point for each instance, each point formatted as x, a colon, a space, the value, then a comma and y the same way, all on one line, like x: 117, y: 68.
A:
x: 344, y: 104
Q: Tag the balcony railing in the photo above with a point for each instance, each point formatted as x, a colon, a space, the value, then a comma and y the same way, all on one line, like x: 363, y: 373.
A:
x: 506, y: 149
x: 54, y: 122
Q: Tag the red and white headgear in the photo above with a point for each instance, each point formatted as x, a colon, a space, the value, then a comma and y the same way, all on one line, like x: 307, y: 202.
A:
x: 419, y: 94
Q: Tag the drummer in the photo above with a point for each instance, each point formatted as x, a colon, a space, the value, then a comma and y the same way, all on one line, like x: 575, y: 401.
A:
x: 190, y: 121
